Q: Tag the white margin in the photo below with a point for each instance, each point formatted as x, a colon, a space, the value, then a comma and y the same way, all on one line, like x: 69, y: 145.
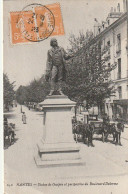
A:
x: 1, y: 101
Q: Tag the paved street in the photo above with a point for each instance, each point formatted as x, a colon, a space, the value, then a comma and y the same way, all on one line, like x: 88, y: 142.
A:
x: 104, y: 160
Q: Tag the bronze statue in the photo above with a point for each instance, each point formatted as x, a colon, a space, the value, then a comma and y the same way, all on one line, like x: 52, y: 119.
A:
x: 55, y: 67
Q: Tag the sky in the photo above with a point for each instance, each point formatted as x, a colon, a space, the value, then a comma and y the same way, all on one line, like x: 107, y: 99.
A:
x: 24, y: 62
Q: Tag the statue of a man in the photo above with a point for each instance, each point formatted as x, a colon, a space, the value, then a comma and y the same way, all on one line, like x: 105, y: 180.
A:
x: 55, y: 67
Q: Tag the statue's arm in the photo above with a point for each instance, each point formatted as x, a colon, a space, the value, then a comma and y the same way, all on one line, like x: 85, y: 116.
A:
x: 65, y: 55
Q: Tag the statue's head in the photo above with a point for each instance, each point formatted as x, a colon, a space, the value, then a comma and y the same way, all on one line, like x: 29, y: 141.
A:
x: 53, y: 42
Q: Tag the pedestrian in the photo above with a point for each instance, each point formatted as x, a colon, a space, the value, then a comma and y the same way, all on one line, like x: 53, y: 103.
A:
x: 24, y: 118
x: 119, y: 129
x: 21, y: 109
x: 28, y: 107
x: 76, y: 130
x: 89, y: 133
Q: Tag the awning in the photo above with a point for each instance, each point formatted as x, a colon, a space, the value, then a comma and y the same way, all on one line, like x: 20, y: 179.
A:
x: 121, y: 102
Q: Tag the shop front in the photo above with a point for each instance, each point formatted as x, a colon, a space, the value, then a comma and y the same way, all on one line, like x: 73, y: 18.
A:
x: 121, y: 109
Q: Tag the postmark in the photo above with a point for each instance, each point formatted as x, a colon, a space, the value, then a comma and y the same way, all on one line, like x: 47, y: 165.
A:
x: 35, y: 23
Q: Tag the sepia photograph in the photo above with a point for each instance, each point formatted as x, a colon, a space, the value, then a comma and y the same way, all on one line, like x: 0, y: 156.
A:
x: 65, y: 96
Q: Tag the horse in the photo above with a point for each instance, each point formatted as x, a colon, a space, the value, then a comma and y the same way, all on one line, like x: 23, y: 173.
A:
x: 108, y: 129
x: 9, y: 132
x: 78, y: 130
x: 88, y: 134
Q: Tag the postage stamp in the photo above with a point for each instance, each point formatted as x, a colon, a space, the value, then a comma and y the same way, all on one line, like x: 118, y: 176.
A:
x: 36, y: 23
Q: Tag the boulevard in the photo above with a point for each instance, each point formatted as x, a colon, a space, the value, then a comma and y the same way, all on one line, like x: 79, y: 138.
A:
x: 103, y: 160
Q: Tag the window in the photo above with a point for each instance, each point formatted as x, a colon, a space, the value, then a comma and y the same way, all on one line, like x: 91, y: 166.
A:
x: 118, y: 49
x: 119, y: 69
x: 108, y: 46
x: 120, y: 92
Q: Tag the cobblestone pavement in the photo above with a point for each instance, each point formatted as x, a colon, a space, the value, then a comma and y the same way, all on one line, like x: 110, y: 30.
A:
x: 104, y: 162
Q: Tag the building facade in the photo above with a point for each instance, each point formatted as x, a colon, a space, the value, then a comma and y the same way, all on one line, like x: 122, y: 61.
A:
x: 113, y: 34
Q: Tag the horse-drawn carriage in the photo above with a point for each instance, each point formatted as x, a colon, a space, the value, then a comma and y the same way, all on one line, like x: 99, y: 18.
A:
x: 104, y: 129
x: 85, y: 132
x: 9, y: 132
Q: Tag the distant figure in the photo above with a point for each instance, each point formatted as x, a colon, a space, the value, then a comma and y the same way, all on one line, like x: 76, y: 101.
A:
x: 28, y: 107
x: 21, y: 109
x: 24, y: 118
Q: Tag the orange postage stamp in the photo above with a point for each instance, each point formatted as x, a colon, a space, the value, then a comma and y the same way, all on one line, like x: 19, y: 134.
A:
x: 36, y: 22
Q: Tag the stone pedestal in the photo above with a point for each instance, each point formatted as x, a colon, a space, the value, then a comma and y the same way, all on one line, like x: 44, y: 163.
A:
x: 57, y: 146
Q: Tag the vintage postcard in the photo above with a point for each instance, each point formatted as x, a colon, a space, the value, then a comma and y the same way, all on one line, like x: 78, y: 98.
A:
x: 65, y: 96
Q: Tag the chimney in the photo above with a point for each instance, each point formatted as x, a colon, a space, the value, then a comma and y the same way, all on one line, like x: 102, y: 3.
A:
x: 118, y: 7
x: 114, y: 9
x: 124, y: 5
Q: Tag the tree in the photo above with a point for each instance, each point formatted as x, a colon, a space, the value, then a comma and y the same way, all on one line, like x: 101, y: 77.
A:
x: 21, y: 94
x: 36, y: 91
x: 8, y: 90
x: 88, y: 72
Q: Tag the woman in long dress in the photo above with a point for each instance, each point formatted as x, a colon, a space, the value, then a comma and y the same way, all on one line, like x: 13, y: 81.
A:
x: 24, y: 118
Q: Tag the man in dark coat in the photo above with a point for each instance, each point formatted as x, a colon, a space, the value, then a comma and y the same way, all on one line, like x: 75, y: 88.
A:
x: 55, y: 67
x: 119, y: 129
x: 89, y: 134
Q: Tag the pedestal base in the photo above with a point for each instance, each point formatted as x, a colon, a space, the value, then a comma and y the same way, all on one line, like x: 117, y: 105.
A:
x: 57, y: 146
x: 44, y: 164
x: 62, y: 154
